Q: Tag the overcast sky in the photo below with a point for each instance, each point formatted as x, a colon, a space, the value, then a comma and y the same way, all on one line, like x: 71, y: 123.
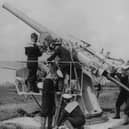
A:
x: 103, y: 23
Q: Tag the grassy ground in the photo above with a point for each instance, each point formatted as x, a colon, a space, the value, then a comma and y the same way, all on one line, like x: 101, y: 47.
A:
x: 10, y: 102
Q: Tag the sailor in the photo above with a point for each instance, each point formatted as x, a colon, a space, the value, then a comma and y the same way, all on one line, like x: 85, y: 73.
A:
x: 126, y: 110
x: 32, y: 52
x: 71, y: 113
x: 63, y: 57
x: 124, y: 94
x: 48, y: 97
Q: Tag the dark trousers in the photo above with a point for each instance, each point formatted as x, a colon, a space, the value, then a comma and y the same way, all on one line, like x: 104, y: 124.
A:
x: 48, y: 102
x: 122, y: 98
x: 126, y: 110
x: 44, y: 120
x: 32, y: 79
x: 76, y: 122
x: 48, y: 98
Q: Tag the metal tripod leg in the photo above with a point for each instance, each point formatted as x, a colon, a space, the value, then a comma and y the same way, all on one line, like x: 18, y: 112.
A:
x: 36, y: 101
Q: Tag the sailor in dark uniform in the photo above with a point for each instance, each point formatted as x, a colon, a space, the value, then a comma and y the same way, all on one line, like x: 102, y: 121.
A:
x: 126, y: 110
x: 48, y: 96
x: 124, y: 94
x: 71, y: 113
x: 32, y: 52
x: 64, y: 57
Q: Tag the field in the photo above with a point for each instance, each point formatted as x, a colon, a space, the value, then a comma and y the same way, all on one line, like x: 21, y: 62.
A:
x: 10, y: 102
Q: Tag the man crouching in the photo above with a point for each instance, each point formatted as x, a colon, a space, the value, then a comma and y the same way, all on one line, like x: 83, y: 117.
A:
x: 71, y: 113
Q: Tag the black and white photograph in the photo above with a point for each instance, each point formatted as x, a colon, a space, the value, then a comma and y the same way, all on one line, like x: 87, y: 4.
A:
x: 64, y: 64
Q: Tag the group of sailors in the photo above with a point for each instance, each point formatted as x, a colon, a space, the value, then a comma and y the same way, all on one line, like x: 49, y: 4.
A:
x: 56, y: 79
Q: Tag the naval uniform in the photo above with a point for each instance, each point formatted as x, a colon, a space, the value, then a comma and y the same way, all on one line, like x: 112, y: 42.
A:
x: 48, y: 101
x: 64, y: 56
x: 123, y: 95
x: 73, y: 114
x: 48, y: 98
x: 33, y: 52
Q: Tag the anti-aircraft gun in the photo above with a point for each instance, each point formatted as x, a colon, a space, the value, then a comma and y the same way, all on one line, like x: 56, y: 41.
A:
x: 91, y: 61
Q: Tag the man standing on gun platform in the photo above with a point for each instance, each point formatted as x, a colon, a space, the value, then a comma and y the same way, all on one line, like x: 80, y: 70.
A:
x: 32, y: 52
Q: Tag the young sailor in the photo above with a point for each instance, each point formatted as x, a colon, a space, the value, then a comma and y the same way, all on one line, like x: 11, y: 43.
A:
x: 48, y: 97
x: 32, y: 52
x: 71, y: 113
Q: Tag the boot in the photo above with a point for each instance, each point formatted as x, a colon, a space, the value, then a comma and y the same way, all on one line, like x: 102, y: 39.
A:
x: 126, y: 120
x: 117, y: 116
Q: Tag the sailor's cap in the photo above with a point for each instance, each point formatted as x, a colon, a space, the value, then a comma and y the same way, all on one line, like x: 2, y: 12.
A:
x: 67, y: 96
x: 29, y: 45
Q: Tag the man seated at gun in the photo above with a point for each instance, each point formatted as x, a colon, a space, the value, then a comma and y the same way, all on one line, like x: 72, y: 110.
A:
x: 32, y: 52
x: 71, y: 113
x: 64, y: 59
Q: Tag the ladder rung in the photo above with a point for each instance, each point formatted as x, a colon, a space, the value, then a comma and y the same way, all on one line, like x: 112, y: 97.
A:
x: 29, y: 93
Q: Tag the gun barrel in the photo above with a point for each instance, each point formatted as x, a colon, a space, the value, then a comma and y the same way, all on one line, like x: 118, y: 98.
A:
x: 22, y: 16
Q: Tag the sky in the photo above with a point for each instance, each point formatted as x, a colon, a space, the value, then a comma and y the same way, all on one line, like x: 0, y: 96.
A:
x: 103, y: 23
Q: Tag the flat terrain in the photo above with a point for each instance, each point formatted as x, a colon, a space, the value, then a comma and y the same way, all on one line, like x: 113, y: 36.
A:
x: 10, y: 102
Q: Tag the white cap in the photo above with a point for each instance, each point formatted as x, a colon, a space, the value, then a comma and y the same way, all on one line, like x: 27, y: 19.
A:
x: 29, y: 45
x: 67, y: 96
